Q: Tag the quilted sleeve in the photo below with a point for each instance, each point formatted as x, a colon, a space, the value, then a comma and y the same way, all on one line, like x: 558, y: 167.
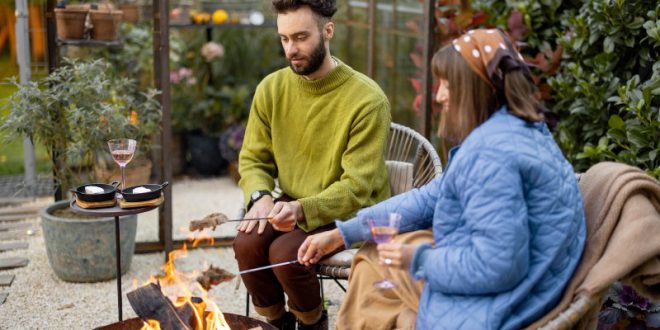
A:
x: 415, y: 206
x: 494, y: 255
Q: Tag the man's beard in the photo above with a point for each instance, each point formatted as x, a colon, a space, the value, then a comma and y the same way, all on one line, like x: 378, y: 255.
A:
x: 315, y: 61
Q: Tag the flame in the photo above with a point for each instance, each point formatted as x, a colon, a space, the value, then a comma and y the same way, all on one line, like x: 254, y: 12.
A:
x: 151, y: 325
x: 207, y: 315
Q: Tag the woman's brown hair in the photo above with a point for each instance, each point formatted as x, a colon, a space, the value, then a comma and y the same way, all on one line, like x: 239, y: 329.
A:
x: 472, y: 100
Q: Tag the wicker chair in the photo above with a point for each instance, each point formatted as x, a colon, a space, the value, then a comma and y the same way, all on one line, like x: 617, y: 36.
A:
x: 404, y: 146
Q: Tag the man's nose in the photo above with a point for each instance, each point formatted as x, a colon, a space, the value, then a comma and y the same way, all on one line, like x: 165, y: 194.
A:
x: 290, y: 49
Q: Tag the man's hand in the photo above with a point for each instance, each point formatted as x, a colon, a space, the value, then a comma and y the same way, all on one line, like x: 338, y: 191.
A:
x: 317, y: 246
x: 396, y: 255
x: 260, y: 209
x: 284, y: 215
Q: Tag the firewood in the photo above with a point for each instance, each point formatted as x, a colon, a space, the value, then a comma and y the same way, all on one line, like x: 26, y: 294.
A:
x: 149, y: 303
x: 214, y: 276
x: 210, y: 221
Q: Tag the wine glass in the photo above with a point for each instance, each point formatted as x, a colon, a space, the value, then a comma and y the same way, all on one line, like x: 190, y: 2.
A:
x: 384, y: 234
x: 122, y: 151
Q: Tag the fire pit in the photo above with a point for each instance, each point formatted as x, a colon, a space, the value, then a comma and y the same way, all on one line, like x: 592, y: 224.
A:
x: 236, y: 322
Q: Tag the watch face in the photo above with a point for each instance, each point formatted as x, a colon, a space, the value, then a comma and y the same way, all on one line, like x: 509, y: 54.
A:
x: 258, y: 194
x: 255, y: 195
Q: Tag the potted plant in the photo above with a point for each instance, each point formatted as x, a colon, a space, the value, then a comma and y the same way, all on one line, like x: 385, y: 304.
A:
x: 106, y: 22
x: 231, y: 141
x: 73, y: 112
x: 70, y: 21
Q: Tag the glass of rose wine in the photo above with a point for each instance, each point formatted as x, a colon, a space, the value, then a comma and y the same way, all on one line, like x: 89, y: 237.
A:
x: 384, y: 233
x: 122, y: 151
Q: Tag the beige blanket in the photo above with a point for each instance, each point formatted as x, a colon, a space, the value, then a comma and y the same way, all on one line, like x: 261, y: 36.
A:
x: 622, y: 209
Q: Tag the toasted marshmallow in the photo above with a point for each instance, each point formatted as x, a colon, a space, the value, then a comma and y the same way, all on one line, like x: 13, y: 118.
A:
x: 93, y: 190
x: 141, y: 190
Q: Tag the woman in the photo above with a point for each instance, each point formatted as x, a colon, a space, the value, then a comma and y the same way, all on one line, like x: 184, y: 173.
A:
x: 506, y: 215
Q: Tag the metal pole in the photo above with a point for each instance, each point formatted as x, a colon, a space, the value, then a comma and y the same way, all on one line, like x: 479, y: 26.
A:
x: 118, y: 252
x: 23, y: 47
x: 161, y: 75
x: 371, y: 41
x: 427, y: 80
x: 53, y: 62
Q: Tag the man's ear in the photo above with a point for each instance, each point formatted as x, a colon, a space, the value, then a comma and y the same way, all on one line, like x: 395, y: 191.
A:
x: 328, y: 31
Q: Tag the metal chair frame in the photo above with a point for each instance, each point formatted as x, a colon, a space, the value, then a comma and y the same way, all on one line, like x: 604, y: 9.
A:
x: 406, y: 145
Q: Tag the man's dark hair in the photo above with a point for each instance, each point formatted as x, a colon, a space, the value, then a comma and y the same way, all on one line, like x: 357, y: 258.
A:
x: 323, y: 8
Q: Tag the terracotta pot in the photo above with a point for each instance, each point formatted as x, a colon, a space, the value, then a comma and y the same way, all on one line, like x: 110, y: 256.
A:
x: 70, y: 22
x: 131, y: 13
x: 105, y: 24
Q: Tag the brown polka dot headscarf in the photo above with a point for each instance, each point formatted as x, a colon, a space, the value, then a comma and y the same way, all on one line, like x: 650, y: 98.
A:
x: 490, y: 53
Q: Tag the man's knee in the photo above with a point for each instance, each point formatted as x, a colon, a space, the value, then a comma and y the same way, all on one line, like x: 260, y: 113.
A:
x: 248, y: 246
x: 279, y: 252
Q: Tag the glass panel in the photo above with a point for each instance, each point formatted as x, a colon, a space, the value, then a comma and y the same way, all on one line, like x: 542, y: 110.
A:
x: 398, y: 40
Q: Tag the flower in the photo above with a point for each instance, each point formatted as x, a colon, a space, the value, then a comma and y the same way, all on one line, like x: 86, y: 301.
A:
x: 134, y: 118
x: 212, y: 50
x: 181, y: 74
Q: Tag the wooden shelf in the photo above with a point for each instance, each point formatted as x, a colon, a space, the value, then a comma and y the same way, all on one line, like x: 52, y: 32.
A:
x: 89, y: 43
x: 221, y: 26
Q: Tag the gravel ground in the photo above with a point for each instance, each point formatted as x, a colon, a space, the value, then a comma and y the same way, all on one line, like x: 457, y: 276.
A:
x: 38, y: 299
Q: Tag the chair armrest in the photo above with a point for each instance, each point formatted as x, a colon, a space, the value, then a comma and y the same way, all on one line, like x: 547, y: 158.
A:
x: 582, y: 306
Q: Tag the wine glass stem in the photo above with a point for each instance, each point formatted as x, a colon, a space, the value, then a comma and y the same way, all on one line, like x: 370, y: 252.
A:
x: 387, y: 274
x: 123, y: 181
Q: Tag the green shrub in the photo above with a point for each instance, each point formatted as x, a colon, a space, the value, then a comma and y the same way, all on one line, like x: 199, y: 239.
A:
x: 607, y: 89
x: 597, y: 67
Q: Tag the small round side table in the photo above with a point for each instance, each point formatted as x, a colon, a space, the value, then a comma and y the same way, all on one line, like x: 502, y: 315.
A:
x: 116, y: 212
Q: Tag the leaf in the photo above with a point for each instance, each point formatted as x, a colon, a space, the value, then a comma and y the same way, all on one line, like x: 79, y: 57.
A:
x: 516, y: 25
x: 636, y: 23
x: 609, y: 316
x: 617, y: 135
x: 608, y: 45
x: 616, y: 122
x: 637, y: 138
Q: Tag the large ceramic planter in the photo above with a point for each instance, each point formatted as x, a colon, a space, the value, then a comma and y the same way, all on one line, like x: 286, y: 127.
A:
x: 203, y: 154
x: 83, y: 250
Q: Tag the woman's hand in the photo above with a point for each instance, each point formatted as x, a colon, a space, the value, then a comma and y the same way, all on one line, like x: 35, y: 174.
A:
x: 396, y: 255
x: 317, y: 246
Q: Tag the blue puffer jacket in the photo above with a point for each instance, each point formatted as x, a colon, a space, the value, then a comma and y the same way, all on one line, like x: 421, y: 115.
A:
x: 508, y: 225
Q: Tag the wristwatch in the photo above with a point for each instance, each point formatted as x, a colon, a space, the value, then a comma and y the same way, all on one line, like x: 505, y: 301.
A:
x: 255, y: 196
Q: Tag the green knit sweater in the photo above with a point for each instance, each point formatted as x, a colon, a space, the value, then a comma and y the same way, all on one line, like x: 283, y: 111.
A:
x: 323, y: 139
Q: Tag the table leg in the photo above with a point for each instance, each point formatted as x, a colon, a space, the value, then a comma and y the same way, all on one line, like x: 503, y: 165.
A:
x: 118, y: 252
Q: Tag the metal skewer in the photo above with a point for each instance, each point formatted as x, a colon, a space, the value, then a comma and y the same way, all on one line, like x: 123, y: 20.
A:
x: 267, y: 267
x: 246, y: 219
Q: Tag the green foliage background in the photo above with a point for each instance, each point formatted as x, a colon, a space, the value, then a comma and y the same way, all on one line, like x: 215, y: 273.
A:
x: 606, y: 89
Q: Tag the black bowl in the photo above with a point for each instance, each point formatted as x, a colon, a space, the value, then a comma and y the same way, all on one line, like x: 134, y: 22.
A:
x: 108, y: 193
x: 155, y: 192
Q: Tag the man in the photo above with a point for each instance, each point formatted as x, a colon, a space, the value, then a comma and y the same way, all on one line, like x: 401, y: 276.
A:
x: 320, y: 128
